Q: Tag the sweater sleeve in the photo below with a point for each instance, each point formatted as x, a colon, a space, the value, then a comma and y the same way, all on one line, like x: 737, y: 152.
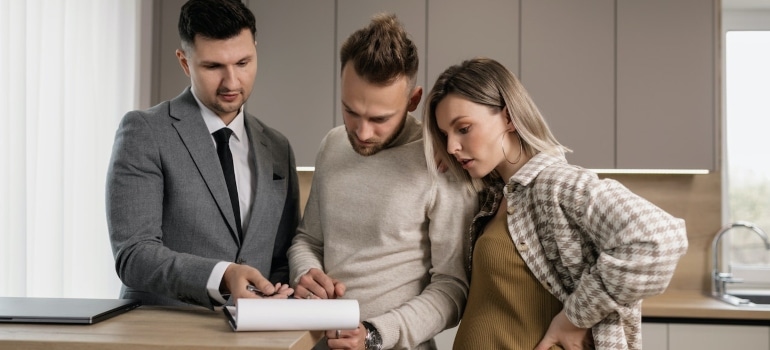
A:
x: 441, y: 303
x: 638, y: 246
x: 306, y: 250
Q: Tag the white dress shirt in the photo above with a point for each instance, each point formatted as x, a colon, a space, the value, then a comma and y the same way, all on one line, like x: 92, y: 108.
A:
x: 244, y: 175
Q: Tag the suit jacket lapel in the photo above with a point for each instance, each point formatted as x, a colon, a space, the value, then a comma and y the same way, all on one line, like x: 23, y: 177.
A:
x: 266, y: 205
x: 194, y: 133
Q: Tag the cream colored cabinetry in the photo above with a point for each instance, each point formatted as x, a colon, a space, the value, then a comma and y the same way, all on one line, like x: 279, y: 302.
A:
x: 666, y: 81
x: 654, y: 336
x: 717, y: 337
x: 355, y: 14
x: 664, y: 336
x: 568, y: 66
x: 445, y: 339
x: 293, y: 89
x: 168, y: 78
x: 625, y: 84
x: 461, y: 29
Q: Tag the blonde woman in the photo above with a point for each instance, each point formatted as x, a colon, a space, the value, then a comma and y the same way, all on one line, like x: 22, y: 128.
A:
x: 558, y: 258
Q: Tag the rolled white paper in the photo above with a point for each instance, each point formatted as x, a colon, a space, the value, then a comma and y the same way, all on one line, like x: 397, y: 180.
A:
x: 294, y: 314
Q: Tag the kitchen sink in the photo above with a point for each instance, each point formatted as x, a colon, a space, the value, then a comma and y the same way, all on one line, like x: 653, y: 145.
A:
x: 755, y: 298
x: 720, y: 280
x: 751, y: 300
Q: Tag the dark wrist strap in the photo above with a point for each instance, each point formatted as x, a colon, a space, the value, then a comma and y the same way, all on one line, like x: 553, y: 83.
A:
x: 373, y: 338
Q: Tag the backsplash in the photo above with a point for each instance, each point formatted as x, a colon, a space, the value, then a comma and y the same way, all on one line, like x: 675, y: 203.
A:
x: 697, y: 200
x: 694, y: 198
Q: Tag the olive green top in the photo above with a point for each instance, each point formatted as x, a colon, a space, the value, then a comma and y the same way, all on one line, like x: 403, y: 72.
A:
x: 507, y: 307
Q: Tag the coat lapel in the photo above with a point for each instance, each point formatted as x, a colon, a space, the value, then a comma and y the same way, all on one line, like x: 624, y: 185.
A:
x: 269, y: 192
x: 194, y: 134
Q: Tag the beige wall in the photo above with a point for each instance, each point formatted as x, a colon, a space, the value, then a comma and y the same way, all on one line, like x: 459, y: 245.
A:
x: 305, y: 179
x: 695, y: 198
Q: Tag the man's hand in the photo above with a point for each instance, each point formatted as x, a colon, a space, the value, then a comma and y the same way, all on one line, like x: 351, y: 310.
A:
x: 347, y: 339
x: 563, y: 332
x: 315, y: 284
x: 237, y: 277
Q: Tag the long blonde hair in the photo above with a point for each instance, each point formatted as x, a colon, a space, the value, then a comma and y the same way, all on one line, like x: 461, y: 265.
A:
x: 487, y: 82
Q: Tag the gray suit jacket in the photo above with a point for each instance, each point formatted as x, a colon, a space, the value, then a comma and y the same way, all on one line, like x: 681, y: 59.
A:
x: 168, y: 210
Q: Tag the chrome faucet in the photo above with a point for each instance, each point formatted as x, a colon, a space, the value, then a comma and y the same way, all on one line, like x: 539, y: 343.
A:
x: 720, y: 279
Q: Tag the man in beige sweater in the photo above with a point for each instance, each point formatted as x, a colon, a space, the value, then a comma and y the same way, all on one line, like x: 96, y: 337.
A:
x: 377, y: 228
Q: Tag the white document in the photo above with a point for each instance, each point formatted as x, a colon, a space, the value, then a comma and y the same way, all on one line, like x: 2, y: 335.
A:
x: 293, y: 314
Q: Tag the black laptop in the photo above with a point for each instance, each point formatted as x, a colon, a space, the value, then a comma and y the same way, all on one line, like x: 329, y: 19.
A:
x: 62, y: 310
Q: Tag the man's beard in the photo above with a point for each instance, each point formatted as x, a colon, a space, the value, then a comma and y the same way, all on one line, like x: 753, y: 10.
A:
x: 377, y: 146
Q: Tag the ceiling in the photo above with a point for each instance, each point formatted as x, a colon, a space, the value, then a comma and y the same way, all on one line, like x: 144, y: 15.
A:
x: 746, y: 4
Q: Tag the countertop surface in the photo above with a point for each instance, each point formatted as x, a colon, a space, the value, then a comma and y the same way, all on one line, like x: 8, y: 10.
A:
x: 698, y: 305
x: 151, y: 328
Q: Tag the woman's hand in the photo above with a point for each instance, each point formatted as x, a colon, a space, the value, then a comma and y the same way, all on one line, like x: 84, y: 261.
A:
x: 562, y: 332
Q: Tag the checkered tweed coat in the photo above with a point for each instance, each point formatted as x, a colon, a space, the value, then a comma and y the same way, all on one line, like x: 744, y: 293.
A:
x: 592, y: 243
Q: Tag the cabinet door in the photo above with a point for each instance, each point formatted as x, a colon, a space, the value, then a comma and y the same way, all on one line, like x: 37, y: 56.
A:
x: 293, y: 91
x: 355, y: 14
x: 666, y: 97
x: 460, y: 29
x: 168, y: 78
x: 654, y: 336
x: 717, y: 337
x: 568, y: 67
x: 446, y: 338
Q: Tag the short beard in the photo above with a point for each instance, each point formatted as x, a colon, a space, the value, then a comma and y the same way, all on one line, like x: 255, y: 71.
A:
x: 377, y: 147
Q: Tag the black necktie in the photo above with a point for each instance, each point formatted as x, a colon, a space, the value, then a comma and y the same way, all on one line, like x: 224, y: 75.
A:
x: 222, y: 137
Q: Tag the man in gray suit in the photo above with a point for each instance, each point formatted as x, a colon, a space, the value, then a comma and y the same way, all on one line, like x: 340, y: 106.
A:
x: 192, y: 219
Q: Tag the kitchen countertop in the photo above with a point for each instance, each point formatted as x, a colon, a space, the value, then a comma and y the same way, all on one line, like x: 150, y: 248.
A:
x: 152, y: 328
x: 692, y: 304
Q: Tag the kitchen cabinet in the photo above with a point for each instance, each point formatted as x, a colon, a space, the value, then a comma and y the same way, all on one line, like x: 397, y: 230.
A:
x: 568, y: 67
x: 295, y: 49
x: 676, y: 336
x: 717, y: 337
x: 354, y: 14
x: 460, y: 29
x: 625, y: 84
x: 446, y: 339
x: 293, y: 89
x: 666, y: 84
x: 168, y: 79
x: 654, y: 336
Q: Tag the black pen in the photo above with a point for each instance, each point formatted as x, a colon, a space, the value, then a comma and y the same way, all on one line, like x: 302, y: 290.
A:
x: 255, y: 290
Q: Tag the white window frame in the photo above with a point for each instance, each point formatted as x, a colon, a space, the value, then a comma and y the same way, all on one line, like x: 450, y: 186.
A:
x: 753, y: 276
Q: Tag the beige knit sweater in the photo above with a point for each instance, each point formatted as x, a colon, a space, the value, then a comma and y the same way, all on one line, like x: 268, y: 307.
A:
x: 390, y: 234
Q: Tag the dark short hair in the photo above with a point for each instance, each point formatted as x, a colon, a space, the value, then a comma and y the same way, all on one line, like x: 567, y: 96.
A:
x: 214, y: 19
x: 381, y: 52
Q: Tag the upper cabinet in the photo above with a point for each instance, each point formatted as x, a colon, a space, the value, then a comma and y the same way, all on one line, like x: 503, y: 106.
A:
x: 355, y: 14
x: 666, y: 84
x: 461, y: 29
x: 568, y: 67
x: 293, y: 92
x: 624, y: 84
x: 168, y: 78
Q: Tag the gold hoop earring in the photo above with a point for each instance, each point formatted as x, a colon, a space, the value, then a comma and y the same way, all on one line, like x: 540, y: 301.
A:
x: 521, y: 150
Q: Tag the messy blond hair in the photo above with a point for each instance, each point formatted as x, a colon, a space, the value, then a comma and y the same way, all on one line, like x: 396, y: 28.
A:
x: 381, y: 52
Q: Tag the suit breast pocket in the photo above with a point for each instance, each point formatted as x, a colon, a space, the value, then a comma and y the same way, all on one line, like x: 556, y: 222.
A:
x: 278, y: 186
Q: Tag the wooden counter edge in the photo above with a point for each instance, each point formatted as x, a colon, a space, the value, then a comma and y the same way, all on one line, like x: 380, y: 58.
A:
x: 696, y: 304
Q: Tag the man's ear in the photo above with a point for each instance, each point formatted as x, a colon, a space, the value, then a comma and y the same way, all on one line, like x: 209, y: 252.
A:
x: 414, y: 98
x: 180, y: 55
